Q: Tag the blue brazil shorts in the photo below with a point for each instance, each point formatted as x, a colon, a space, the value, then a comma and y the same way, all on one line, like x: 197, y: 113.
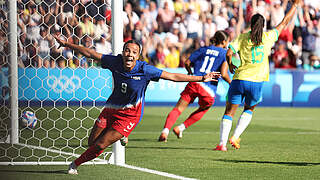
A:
x: 248, y: 91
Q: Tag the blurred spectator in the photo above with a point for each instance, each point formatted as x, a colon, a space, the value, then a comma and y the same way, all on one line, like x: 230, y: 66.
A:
x: 164, y: 27
x: 314, y: 63
x: 33, y: 22
x: 297, y: 51
x: 179, y: 7
x: 285, y: 63
x: 173, y: 34
x: 317, y: 51
x: 4, y: 49
x: 87, y: 42
x: 101, y: 29
x: 172, y: 60
x: 158, y: 59
x: 129, y: 14
x: 67, y: 8
x: 221, y: 20
x: 56, y: 50
x: 86, y: 25
x: 44, y: 44
x: 161, y: 4
x: 308, y: 39
x: 277, y: 12
x: 191, y: 22
x: 279, y: 54
x: 103, y: 46
x: 150, y: 17
x: 196, y: 6
x: 209, y: 28
x: 165, y: 18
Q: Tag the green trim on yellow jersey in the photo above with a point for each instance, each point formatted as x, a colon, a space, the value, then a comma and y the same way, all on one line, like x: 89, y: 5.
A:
x: 230, y: 46
x: 277, y: 33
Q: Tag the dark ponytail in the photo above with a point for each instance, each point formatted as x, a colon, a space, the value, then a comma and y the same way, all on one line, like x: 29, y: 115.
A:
x: 219, y: 37
x: 257, y: 24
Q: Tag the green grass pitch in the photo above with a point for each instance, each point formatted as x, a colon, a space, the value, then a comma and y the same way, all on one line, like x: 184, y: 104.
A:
x: 280, y: 143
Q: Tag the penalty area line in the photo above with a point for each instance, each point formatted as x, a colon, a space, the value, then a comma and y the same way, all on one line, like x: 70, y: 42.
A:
x: 156, y: 172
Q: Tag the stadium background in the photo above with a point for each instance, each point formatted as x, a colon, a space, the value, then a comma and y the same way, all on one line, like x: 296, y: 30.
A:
x: 281, y: 143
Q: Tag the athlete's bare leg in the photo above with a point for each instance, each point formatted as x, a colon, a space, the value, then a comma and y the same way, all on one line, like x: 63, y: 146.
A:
x: 94, y: 134
x: 181, y: 105
x: 107, y: 138
x: 231, y: 109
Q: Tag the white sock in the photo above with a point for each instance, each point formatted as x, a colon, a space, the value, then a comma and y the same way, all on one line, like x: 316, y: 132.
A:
x: 243, y: 123
x: 225, y: 128
x: 182, y: 127
x: 166, y: 131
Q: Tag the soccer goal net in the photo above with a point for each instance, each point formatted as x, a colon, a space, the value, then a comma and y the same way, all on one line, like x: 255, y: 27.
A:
x: 64, y: 90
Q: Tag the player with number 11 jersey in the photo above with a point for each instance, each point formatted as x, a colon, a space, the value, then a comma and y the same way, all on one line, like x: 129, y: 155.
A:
x: 205, y: 59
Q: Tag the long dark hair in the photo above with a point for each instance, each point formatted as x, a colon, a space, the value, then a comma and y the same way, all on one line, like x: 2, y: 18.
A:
x: 219, y: 37
x: 257, y: 24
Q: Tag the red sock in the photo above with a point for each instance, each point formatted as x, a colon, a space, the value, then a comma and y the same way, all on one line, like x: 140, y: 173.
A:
x: 91, y: 153
x: 172, y: 118
x: 194, y: 117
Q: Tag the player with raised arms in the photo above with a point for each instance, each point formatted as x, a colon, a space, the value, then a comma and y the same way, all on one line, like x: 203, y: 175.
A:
x: 124, y: 108
x: 204, y: 60
x: 254, y: 48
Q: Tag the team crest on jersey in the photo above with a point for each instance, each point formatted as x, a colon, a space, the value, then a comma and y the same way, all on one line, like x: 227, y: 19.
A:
x: 136, y: 77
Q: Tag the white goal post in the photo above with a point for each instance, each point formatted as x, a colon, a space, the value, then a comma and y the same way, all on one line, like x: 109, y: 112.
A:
x: 66, y: 101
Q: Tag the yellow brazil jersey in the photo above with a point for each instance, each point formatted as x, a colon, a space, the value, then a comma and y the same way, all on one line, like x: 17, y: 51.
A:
x: 254, y: 59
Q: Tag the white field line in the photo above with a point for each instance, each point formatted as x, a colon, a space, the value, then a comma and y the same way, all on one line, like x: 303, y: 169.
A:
x: 98, y: 161
x: 157, y: 172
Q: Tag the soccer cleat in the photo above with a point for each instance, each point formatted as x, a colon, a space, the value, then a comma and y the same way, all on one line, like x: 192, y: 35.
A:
x: 124, y: 141
x: 163, y: 137
x: 235, y: 142
x: 177, y: 131
x: 221, y: 148
x: 72, y: 168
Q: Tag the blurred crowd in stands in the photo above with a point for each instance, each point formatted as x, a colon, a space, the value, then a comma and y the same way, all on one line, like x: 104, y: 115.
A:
x: 169, y: 30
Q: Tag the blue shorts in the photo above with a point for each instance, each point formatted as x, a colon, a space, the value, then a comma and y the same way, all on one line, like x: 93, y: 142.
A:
x: 240, y: 90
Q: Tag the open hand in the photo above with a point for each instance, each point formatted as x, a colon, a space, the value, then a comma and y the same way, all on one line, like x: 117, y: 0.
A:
x: 60, y: 41
x: 232, y: 68
x: 212, y: 76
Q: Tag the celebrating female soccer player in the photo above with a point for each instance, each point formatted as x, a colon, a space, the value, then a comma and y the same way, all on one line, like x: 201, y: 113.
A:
x: 204, y: 60
x: 124, y: 107
x: 254, y: 48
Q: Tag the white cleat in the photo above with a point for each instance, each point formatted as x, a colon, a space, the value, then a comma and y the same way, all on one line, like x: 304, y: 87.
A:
x: 72, y: 168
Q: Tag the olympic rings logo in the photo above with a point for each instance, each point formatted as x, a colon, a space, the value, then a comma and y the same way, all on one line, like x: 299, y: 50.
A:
x: 64, y: 83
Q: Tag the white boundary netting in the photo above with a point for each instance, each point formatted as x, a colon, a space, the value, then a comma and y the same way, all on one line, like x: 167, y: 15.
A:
x: 65, y: 90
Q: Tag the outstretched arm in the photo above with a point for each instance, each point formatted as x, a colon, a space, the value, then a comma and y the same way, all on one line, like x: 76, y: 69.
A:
x: 177, y: 77
x: 288, y: 16
x: 90, y: 53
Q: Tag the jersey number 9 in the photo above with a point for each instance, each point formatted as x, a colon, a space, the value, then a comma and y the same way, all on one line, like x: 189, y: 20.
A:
x: 124, y: 88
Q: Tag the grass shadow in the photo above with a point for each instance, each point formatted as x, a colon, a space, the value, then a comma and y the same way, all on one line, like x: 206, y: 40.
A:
x: 35, y: 172
x: 271, y: 162
x: 160, y: 147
